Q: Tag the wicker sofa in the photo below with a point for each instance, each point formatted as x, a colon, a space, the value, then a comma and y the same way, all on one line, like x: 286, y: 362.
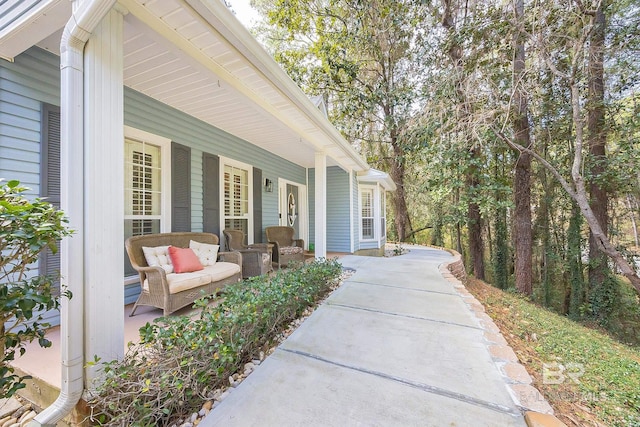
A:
x: 171, y: 291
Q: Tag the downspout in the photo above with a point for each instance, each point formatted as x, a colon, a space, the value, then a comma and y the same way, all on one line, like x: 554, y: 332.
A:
x: 85, y: 17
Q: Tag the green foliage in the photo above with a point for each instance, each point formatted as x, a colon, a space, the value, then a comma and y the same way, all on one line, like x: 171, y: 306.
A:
x: 27, y: 227
x: 180, y: 360
x: 609, y: 383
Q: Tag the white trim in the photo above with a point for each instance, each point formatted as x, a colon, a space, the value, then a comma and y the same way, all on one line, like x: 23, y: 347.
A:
x: 374, y: 203
x: 320, y: 198
x: 303, y: 211
x: 165, y: 167
x: 351, y: 212
x: 225, y: 161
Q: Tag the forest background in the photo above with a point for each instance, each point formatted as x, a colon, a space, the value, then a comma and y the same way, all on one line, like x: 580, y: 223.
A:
x: 511, y: 129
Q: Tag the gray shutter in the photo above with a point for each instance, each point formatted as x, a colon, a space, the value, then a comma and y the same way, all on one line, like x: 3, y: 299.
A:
x: 50, y: 178
x: 180, y: 187
x: 257, y: 205
x: 211, y: 193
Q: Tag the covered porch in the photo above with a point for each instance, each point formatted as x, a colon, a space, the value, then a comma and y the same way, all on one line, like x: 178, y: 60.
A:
x: 183, y: 86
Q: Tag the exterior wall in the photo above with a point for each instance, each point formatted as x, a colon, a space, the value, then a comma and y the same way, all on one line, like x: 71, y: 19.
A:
x: 338, y: 207
x: 311, y: 194
x: 355, y: 213
x: 24, y: 85
x: 338, y: 210
x: 32, y: 79
x: 146, y: 114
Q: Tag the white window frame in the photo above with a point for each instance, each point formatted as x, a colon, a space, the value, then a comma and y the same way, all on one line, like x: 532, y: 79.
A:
x: 165, y: 178
x: 224, y: 161
x: 383, y: 212
x: 374, y: 210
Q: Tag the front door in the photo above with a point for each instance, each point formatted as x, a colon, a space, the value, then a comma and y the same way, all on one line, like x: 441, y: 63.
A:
x: 292, y: 207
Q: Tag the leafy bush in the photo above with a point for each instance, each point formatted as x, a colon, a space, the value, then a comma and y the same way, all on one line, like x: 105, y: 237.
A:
x: 181, y: 360
x: 26, y: 229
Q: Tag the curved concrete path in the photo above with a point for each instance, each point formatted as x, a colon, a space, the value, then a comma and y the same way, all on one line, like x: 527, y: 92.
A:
x: 396, y: 345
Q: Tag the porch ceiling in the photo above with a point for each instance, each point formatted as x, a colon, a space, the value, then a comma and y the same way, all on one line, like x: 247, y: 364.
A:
x: 195, y: 56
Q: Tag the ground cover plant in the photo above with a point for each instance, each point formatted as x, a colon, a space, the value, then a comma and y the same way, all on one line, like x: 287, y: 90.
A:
x: 181, y: 360
x: 588, y: 377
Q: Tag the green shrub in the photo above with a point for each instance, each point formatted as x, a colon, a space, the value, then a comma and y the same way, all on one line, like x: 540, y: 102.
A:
x: 27, y: 227
x: 181, y: 360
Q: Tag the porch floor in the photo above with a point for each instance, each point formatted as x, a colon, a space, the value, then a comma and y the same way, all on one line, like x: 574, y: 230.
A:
x: 44, y: 363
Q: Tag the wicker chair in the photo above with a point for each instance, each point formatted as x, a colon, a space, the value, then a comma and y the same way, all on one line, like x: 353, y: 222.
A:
x: 256, y: 258
x: 286, y: 248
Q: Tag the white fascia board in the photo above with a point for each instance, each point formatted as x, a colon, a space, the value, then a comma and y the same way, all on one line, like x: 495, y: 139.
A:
x: 228, y: 26
x: 34, y: 26
x: 377, y: 177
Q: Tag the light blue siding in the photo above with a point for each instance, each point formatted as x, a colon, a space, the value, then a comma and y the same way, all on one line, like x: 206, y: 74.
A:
x: 145, y: 113
x: 24, y: 85
x: 311, y: 195
x: 338, y: 213
x: 356, y: 213
x: 338, y: 210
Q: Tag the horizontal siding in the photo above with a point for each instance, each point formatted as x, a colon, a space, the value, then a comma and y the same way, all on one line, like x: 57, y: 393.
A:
x: 369, y: 245
x: 356, y: 213
x: 311, y: 195
x: 24, y: 85
x: 131, y: 293
x: 147, y: 114
x: 338, y: 212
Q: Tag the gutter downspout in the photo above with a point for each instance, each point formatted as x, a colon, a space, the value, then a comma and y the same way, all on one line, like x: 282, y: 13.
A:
x: 85, y: 17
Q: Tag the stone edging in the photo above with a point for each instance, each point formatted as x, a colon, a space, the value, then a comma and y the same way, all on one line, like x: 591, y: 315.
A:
x: 538, y: 412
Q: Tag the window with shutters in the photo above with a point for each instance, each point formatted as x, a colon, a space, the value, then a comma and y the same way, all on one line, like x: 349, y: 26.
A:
x: 146, y: 188
x: 237, y: 196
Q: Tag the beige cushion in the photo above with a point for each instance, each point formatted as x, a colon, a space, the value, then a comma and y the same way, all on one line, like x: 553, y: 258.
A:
x: 291, y: 250
x: 206, y: 253
x: 221, y: 270
x: 158, y: 256
x: 183, y: 281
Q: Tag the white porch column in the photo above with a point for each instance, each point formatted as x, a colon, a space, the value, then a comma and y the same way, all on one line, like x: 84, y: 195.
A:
x: 321, y: 205
x: 104, y: 192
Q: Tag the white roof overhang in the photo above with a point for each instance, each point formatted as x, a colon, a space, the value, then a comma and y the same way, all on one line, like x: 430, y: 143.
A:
x: 195, y: 56
x: 377, y: 177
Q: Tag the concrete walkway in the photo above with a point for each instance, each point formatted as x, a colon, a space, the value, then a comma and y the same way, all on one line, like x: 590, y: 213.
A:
x: 396, y: 345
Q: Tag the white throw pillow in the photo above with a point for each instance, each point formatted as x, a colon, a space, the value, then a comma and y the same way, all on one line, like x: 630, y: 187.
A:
x: 206, y: 253
x: 158, y: 256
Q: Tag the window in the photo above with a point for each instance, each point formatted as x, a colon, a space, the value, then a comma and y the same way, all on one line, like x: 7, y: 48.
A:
x: 237, y: 196
x: 367, y: 214
x: 146, y: 187
x: 143, y: 188
x: 383, y: 213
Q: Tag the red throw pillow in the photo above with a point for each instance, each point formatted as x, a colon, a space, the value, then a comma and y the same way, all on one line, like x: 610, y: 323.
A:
x: 184, y: 260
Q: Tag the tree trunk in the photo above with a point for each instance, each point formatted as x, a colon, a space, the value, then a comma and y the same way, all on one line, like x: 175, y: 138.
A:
x: 597, y: 137
x: 474, y: 220
x: 633, y: 220
x: 574, y: 261
x: 403, y: 222
x: 522, y: 180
